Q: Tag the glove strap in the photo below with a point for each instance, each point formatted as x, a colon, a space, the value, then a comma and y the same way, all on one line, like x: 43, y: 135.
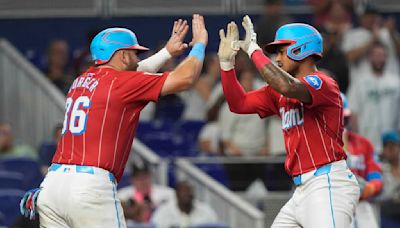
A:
x: 226, y: 66
x: 252, y: 48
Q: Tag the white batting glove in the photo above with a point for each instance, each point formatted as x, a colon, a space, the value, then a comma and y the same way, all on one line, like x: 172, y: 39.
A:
x: 249, y: 44
x: 228, y: 46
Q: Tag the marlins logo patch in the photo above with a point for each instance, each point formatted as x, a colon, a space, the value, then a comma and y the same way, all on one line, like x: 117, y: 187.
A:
x: 314, y: 81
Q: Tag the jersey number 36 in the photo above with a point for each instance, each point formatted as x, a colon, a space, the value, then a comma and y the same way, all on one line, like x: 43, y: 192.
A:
x: 78, y: 118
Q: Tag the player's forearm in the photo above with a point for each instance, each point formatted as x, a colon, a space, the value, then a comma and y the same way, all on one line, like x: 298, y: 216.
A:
x: 153, y: 63
x: 371, y: 189
x: 278, y: 79
x: 235, y: 94
x: 186, y: 73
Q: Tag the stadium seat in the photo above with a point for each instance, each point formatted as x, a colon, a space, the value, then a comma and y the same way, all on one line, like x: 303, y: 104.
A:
x: 216, y: 171
x: 9, y: 205
x: 185, y: 138
x: 191, y: 129
x: 28, y: 167
x: 2, y: 220
x: 11, y: 180
x: 169, y: 108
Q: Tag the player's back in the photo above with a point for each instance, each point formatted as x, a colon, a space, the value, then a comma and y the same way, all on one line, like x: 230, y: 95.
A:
x: 102, y: 111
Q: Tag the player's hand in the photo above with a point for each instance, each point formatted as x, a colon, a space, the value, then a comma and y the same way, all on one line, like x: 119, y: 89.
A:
x: 175, y: 45
x: 249, y: 44
x: 200, y: 34
x: 228, y: 46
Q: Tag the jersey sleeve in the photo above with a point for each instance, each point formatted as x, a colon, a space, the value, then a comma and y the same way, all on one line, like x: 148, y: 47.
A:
x: 373, y: 169
x: 264, y: 101
x: 323, y: 89
x: 140, y: 86
x: 261, y: 101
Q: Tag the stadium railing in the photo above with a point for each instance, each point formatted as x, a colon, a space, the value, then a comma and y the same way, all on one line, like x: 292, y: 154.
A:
x: 158, y: 166
x: 28, y: 100
x: 231, y: 209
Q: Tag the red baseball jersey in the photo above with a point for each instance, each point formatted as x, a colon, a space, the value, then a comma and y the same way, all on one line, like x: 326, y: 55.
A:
x: 360, y: 157
x: 312, y: 132
x: 102, y: 112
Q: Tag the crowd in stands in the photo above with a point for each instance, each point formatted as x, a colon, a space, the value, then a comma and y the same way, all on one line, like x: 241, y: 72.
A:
x: 361, y: 52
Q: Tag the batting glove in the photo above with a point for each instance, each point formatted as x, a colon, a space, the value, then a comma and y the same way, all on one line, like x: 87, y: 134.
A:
x: 27, y: 205
x: 228, y: 46
x: 249, y: 44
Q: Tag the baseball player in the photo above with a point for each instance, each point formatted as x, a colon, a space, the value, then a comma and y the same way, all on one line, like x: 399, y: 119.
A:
x: 309, y: 105
x: 102, y: 111
x: 360, y: 159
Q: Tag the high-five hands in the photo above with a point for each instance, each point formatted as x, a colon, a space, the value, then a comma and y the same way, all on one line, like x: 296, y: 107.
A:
x: 175, y: 44
x: 228, y: 46
x: 200, y: 34
x: 249, y: 44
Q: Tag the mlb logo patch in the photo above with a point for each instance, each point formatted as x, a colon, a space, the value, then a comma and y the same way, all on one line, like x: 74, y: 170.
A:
x: 314, y: 81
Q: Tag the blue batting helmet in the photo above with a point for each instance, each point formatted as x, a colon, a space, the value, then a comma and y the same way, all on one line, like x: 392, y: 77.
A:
x: 108, y: 41
x: 346, y: 108
x: 303, y: 40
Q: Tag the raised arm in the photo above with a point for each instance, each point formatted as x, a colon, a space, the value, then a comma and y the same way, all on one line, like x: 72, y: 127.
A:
x: 174, y: 47
x: 238, y: 100
x: 188, y: 71
x: 281, y: 81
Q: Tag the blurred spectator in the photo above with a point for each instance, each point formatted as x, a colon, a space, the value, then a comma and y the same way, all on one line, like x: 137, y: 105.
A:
x: 320, y: 10
x: 243, y: 134
x: 275, y: 138
x: 273, y: 17
x: 48, y: 148
x: 332, y: 31
x: 57, y: 65
x: 141, y: 198
x: 195, y: 99
x: 391, y: 176
x: 185, y: 211
x: 361, y: 160
x: 168, y: 107
x: 7, y: 147
x: 210, y: 141
x: 82, y: 58
x: 357, y: 43
x: 339, y: 18
x: 375, y: 98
